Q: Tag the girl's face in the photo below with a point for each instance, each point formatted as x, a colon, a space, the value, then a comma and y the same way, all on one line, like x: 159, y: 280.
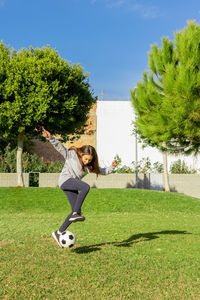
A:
x: 86, y: 159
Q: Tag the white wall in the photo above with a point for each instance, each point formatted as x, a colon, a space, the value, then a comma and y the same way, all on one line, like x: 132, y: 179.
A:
x: 114, y: 136
x: 114, y: 131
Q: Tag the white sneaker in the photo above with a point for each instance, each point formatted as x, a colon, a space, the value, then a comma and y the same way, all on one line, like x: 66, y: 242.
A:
x: 56, y: 238
x: 76, y: 217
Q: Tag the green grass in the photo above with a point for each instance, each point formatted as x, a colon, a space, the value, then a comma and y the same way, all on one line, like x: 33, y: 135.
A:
x: 134, y: 244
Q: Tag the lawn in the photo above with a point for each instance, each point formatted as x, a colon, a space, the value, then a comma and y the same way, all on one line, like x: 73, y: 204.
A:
x: 134, y: 244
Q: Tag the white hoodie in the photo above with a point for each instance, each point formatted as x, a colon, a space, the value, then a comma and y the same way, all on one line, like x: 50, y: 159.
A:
x: 72, y: 167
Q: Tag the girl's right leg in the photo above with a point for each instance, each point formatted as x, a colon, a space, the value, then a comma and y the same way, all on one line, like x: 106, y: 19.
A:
x: 72, y: 197
x: 71, y: 188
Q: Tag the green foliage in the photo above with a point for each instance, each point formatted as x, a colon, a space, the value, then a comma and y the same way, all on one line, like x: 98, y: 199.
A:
x: 143, y: 166
x: 180, y: 167
x: 121, y: 168
x: 40, y: 89
x: 8, y: 160
x: 124, y: 169
x: 118, y: 159
x: 157, y: 167
x: 167, y: 101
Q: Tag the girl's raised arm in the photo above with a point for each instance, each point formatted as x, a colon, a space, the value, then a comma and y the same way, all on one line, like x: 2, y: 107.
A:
x: 46, y: 134
x: 57, y: 144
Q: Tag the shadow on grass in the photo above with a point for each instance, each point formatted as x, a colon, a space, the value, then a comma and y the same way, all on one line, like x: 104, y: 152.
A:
x: 133, y: 239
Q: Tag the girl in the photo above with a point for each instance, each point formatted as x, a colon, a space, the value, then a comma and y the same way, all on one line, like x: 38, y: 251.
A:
x: 78, y: 162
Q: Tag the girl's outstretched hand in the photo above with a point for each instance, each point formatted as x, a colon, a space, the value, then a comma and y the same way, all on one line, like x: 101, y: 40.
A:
x: 114, y: 163
x: 46, y: 134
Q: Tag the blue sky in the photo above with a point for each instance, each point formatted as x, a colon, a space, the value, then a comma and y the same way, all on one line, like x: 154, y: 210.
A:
x: 109, y: 38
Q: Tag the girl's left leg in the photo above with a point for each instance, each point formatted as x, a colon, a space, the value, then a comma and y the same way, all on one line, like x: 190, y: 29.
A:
x: 73, y: 184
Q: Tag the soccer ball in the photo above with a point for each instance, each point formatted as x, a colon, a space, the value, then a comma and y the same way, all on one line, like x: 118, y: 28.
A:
x: 67, y: 239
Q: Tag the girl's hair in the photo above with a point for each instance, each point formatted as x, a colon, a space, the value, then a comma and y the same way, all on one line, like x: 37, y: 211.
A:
x: 93, y: 166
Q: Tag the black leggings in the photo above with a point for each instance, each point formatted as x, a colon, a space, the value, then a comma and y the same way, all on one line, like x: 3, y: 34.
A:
x: 71, y: 187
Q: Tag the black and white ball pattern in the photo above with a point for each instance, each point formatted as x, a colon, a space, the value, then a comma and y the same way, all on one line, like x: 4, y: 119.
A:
x: 67, y: 239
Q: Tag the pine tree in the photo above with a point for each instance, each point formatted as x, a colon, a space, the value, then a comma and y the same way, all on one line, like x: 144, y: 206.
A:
x: 182, y: 89
x: 148, y: 98
x: 167, y: 101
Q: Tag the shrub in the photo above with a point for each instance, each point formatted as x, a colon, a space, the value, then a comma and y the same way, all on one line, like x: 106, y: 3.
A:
x: 180, y: 167
x: 31, y: 163
x: 143, y: 166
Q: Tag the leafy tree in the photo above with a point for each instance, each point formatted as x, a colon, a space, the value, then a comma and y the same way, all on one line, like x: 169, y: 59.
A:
x: 167, y: 101
x: 39, y: 89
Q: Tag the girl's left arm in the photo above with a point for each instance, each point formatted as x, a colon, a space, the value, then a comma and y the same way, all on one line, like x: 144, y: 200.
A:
x: 108, y: 170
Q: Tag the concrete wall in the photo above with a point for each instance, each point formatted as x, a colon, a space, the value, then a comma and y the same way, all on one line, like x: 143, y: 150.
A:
x: 48, y: 179
x: 117, y: 181
x: 188, y: 184
x: 109, y: 181
x: 10, y: 179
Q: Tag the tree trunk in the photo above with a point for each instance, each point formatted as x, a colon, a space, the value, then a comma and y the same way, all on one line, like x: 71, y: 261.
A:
x: 166, y: 177
x: 20, y: 143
